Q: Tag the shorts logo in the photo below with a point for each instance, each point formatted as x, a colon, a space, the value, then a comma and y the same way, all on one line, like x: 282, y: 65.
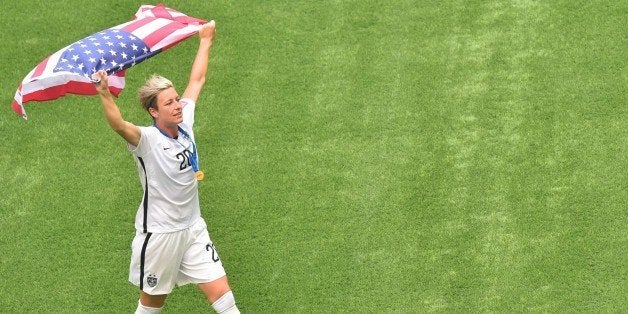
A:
x: 151, y: 280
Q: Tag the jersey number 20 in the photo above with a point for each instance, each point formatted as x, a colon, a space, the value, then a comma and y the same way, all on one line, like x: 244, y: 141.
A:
x: 184, y: 156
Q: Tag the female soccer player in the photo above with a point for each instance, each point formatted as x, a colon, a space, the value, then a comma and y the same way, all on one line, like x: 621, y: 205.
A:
x: 172, y: 245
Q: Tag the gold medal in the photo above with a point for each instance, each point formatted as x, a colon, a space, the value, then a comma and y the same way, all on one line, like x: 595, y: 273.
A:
x: 200, y: 175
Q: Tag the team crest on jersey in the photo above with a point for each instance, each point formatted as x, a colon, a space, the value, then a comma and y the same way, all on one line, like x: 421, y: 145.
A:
x: 151, y: 280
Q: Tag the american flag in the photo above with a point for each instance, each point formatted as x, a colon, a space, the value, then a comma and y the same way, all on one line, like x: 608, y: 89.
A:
x: 154, y: 29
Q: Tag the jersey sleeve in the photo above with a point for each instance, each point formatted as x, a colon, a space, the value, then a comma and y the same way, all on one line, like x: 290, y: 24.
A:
x: 188, y: 112
x: 143, y: 147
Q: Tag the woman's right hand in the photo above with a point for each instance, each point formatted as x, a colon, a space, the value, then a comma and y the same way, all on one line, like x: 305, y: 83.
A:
x: 101, y: 81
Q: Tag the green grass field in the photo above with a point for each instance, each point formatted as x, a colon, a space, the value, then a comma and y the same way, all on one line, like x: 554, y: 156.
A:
x: 360, y: 156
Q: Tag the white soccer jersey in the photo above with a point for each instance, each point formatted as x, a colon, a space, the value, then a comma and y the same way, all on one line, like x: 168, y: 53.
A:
x: 170, y: 199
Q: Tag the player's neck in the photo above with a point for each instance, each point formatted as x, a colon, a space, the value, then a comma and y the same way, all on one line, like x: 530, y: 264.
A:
x: 168, y: 129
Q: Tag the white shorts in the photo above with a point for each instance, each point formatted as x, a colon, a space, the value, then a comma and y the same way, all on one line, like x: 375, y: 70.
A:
x: 161, y: 260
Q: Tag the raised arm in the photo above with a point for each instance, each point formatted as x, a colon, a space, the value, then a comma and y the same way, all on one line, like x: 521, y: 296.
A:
x: 130, y: 132
x: 199, y: 67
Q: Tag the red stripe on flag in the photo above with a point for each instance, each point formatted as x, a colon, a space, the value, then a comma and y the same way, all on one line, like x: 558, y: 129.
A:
x: 160, y: 34
x: 72, y: 87
x: 189, y: 20
x: 160, y: 11
x: 17, y: 108
x: 115, y: 91
x: 54, y: 92
x: 137, y: 24
x: 40, y: 68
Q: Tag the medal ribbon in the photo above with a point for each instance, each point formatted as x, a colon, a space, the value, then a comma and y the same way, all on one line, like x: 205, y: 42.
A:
x: 193, y: 157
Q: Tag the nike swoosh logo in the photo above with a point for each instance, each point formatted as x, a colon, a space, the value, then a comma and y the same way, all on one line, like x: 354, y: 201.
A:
x: 166, y: 148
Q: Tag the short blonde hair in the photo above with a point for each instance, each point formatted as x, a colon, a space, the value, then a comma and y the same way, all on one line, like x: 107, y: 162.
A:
x: 152, y: 87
